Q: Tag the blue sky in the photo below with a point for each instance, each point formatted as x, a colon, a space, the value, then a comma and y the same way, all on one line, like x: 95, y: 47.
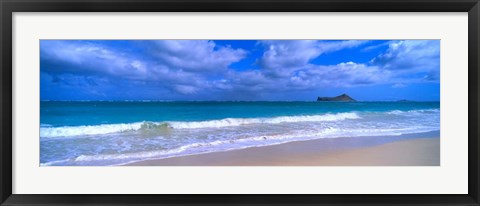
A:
x: 249, y: 70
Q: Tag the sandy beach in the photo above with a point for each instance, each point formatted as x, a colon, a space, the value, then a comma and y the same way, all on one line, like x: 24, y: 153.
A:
x: 421, y: 149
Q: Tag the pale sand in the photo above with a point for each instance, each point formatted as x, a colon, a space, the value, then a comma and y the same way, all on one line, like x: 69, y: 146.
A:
x: 365, y: 151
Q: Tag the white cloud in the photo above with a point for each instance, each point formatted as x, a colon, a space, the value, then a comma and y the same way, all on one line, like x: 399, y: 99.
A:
x: 180, y: 60
x: 196, y: 55
x: 185, y: 89
x: 76, y: 57
x: 202, y: 67
x: 282, y: 56
x: 410, y: 55
x: 411, y: 61
x: 341, y: 75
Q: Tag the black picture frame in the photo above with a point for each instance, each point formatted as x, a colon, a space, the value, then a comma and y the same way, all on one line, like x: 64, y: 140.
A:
x: 7, y: 7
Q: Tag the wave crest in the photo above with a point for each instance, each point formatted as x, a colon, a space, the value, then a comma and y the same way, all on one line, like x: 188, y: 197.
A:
x: 68, y: 131
x: 228, y: 122
x: 414, y: 112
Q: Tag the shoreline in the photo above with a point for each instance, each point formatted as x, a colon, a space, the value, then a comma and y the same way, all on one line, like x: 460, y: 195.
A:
x: 419, y: 149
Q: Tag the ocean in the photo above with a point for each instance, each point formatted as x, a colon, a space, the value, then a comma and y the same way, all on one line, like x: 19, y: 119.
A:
x: 97, y: 133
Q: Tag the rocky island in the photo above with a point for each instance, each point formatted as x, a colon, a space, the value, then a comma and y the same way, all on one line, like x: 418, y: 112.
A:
x: 341, y: 98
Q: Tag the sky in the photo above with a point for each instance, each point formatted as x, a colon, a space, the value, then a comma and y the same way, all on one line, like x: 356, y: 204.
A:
x: 239, y: 70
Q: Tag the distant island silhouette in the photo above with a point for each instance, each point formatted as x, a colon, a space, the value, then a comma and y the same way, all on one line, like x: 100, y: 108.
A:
x: 341, y: 98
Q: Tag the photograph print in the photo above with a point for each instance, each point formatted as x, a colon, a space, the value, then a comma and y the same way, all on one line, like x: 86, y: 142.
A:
x: 239, y: 103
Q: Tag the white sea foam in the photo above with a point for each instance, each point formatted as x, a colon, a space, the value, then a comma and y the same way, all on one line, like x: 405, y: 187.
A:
x: 225, y: 145
x: 414, y: 112
x: 68, y: 131
x: 185, y: 138
x: 274, y: 120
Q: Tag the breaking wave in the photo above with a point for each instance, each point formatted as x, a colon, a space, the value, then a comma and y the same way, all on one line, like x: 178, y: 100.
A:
x: 68, y: 131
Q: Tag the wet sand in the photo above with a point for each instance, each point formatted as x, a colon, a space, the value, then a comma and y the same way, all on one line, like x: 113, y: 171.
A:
x: 406, y: 150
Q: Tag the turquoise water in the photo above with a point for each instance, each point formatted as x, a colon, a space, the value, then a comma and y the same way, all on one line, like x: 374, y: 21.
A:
x: 95, y: 113
x: 109, y: 133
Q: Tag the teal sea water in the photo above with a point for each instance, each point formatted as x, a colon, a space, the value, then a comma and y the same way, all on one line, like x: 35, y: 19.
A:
x: 110, y: 133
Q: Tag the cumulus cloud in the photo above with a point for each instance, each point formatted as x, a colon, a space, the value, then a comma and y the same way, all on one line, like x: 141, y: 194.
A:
x: 182, y: 69
x: 168, y: 64
x: 287, y: 54
x: 412, y: 60
x: 196, y: 55
x: 348, y: 74
x: 410, y: 55
x: 345, y: 74
x: 282, y: 56
x: 403, y: 63
x: 185, y: 89
x: 77, y: 57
